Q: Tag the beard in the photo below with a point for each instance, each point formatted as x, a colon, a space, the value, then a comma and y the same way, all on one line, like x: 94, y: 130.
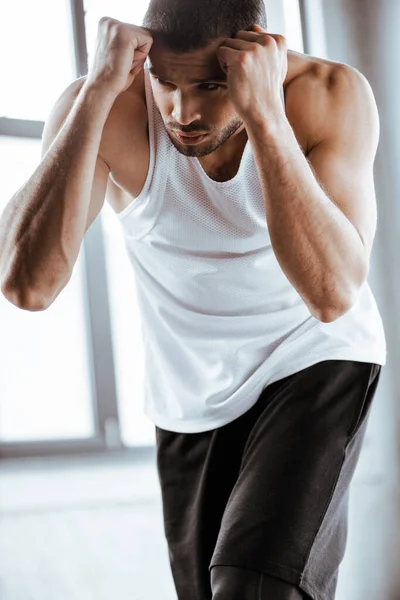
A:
x: 217, y: 138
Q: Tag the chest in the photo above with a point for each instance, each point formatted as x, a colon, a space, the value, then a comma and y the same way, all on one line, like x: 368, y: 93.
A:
x: 222, y: 172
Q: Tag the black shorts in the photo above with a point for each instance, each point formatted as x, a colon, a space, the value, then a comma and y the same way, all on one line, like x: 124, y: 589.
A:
x: 269, y: 490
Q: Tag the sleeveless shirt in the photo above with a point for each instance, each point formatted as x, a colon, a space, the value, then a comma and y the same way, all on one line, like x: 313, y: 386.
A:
x: 220, y: 320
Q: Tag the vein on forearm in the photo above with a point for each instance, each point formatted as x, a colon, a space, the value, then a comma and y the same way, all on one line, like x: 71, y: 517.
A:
x: 317, y: 247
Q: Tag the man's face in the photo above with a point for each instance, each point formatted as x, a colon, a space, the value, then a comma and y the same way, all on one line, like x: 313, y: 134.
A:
x: 190, y: 106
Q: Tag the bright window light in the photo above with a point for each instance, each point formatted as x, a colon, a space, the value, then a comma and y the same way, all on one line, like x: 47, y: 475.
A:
x: 292, y: 17
x: 36, y: 57
x: 45, y: 387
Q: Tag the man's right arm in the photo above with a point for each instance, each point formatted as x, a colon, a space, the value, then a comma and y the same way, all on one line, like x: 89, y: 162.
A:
x: 43, y: 224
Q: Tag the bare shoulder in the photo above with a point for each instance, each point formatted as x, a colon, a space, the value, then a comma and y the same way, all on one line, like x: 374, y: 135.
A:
x: 324, y: 95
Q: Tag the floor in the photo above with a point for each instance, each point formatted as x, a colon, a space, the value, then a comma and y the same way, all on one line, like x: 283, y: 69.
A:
x: 82, y: 529
x: 90, y: 528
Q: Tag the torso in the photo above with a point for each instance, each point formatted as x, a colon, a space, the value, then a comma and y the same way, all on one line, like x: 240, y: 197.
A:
x: 125, y: 139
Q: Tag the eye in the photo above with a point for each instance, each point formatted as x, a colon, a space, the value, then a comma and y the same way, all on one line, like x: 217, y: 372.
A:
x: 160, y: 81
x: 214, y: 86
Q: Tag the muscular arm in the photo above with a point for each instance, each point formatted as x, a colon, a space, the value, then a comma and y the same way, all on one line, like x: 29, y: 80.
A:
x: 321, y: 210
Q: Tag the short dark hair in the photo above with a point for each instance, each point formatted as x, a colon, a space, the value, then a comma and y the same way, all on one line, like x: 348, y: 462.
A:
x: 189, y: 25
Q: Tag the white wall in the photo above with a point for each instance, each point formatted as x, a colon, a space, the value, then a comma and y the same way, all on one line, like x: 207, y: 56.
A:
x: 365, y: 34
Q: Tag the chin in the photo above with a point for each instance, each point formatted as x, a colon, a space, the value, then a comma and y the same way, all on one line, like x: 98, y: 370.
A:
x: 188, y: 150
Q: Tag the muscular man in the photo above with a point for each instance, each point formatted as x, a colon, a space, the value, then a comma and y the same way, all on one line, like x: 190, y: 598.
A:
x: 242, y: 176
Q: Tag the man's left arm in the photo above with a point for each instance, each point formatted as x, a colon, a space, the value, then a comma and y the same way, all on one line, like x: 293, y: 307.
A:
x: 321, y: 209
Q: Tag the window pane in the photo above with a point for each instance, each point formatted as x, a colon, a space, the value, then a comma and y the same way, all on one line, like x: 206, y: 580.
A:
x: 45, y: 386
x: 293, y: 31
x: 36, y: 57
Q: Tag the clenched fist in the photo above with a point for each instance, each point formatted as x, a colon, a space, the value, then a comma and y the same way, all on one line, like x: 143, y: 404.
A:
x: 121, y: 51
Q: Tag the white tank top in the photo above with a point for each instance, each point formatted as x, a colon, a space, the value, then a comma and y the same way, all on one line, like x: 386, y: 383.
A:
x: 220, y: 320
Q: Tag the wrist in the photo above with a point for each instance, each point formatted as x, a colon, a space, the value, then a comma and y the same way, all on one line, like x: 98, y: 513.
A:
x: 93, y: 104
x: 269, y: 123
x: 98, y: 90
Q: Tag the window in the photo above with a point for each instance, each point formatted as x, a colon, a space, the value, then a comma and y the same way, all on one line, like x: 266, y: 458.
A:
x: 293, y: 31
x: 36, y: 57
x: 45, y: 388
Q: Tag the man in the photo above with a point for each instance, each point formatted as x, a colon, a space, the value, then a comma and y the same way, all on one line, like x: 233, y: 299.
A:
x: 242, y: 175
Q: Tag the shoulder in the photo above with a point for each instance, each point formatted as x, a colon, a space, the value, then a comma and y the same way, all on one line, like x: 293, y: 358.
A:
x: 327, y: 96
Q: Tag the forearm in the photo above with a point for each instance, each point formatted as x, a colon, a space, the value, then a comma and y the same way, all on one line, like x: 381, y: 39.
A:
x: 317, y: 247
x: 42, y: 226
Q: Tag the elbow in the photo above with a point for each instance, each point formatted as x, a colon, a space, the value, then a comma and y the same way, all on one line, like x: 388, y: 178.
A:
x: 330, y: 314
x: 335, y: 305
x: 33, y: 300
x: 25, y: 300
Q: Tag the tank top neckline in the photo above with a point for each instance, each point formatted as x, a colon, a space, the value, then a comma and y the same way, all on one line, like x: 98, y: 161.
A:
x: 231, y: 181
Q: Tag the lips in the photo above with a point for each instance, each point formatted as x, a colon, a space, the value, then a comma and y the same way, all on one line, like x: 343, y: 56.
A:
x: 190, y: 140
x: 187, y: 135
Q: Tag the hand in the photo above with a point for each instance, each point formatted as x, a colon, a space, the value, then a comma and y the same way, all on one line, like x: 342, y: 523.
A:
x: 256, y: 66
x: 121, y: 52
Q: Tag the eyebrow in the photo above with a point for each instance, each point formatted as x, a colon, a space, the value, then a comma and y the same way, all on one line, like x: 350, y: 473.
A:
x: 220, y: 78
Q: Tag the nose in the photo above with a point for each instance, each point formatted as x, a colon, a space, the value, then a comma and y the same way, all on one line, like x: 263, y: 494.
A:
x: 186, y: 109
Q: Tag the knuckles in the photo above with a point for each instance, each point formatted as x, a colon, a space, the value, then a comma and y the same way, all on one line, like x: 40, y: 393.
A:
x: 281, y: 41
x: 110, y: 25
x: 106, y: 22
x: 269, y: 40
